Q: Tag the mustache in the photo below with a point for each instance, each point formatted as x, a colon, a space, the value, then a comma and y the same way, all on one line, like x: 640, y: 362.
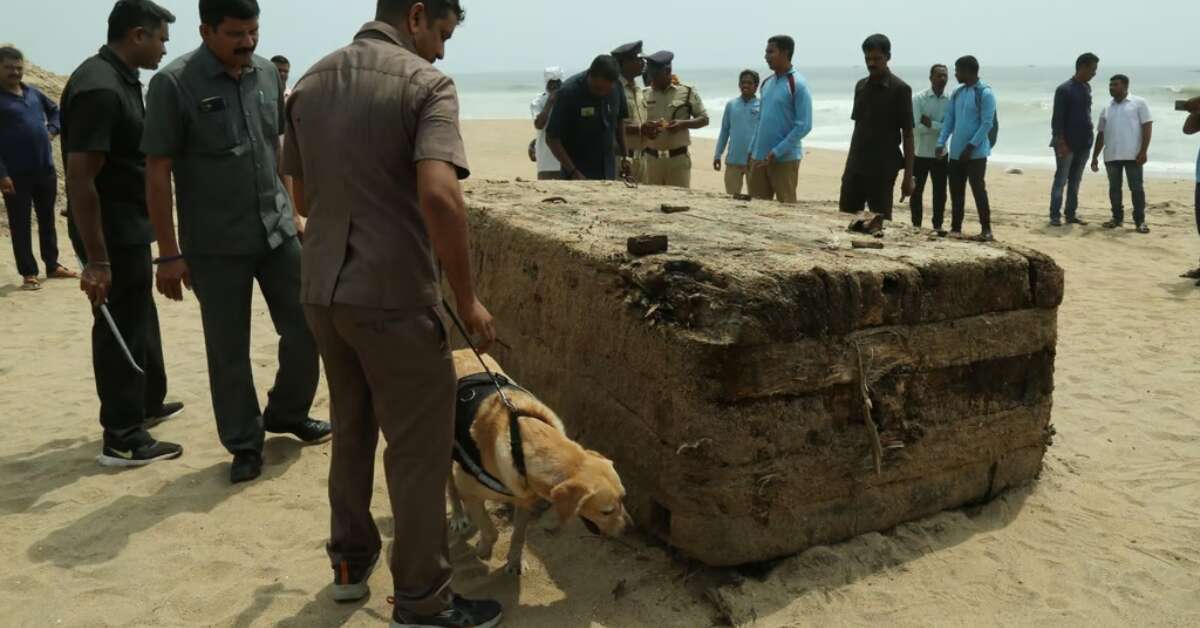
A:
x: 243, y: 51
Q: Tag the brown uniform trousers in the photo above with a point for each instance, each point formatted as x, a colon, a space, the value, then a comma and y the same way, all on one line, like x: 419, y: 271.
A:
x: 735, y: 176
x: 391, y: 371
x: 777, y: 182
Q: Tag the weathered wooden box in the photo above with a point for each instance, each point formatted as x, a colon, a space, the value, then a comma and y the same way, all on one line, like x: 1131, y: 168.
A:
x: 729, y: 377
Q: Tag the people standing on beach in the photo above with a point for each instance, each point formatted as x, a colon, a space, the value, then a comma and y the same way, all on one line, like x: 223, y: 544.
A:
x: 548, y: 168
x: 673, y: 110
x: 213, y: 118
x: 929, y: 111
x: 968, y: 131
x: 386, y: 210
x: 883, y: 122
x: 787, y: 118
x: 1123, y: 135
x: 1191, y: 127
x: 1073, y: 134
x: 102, y: 114
x: 633, y: 68
x: 28, y: 181
x: 737, y: 129
x: 588, y: 121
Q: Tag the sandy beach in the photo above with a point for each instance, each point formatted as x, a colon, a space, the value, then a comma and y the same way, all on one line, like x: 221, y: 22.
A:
x: 1109, y: 536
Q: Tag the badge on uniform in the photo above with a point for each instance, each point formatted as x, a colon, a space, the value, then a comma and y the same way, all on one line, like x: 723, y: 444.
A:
x: 588, y: 112
x: 210, y: 105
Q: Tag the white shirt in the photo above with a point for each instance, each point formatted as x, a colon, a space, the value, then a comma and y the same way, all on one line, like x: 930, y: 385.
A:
x: 545, y: 157
x: 927, y: 103
x: 1121, y: 123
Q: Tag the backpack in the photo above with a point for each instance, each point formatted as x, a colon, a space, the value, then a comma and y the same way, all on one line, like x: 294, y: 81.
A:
x: 994, y: 134
x: 791, y: 86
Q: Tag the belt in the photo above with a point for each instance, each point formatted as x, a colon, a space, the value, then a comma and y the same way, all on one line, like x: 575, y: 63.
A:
x: 665, y: 154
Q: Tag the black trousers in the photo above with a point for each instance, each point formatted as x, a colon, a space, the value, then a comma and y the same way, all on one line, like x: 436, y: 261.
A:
x: 925, y: 168
x: 224, y: 286
x: 973, y: 171
x: 126, y: 396
x: 875, y: 191
x: 33, y: 193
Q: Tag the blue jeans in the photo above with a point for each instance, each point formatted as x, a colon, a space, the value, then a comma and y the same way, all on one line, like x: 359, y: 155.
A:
x: 1118, y: 170
x: 1068, y: 174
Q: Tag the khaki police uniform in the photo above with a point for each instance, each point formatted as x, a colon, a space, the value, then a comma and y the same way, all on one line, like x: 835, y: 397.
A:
x: 668, y: 161
x: 635, y: 145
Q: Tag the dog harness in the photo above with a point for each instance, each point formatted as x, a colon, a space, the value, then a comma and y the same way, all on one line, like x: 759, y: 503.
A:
x: 473, y: 391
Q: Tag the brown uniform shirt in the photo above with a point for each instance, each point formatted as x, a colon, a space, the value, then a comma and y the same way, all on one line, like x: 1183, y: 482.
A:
x: 678, y: 102
x: 358, y: 123
x: 637, y: 113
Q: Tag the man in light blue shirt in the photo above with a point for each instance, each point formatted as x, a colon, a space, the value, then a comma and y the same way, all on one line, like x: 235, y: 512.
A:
x: 929, y: 112
x: 737, y: 129
x: 968, y: 130
x: 787, y: 118
x: 1192, y: 127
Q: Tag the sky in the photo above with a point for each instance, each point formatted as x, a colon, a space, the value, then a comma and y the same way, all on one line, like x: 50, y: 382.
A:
x: 527, y: 35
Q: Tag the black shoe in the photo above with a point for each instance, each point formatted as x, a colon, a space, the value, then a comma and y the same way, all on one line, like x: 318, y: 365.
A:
x: 1113, y: 224
x: 136, y: 451
x: 463, y: 613
x: 350, y: 580
x: 1054, y: 222
x: 986, y: 236
x: 1077, y: 221
x: 247, y: 465
x: 310, y: 431
x: 941, y: 233
x: 167, y: 412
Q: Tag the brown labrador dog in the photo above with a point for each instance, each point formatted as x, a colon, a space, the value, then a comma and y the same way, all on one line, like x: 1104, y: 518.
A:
x: 577, y: 482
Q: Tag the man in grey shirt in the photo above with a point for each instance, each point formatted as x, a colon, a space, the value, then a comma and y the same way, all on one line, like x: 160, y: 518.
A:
x: 213, y: 118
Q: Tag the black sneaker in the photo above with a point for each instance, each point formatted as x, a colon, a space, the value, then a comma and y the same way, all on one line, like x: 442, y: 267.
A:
x: 1077, y: 221
x: 463, y: 613
x: 311, y: 431
x: 136, y: 451
x: 1054, y: 222
x: 350, y: 581
x: 167, y: 412
x: 247, y: 465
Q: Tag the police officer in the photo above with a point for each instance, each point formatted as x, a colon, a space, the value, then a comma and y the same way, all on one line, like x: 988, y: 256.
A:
x: 672, y: 111
x: 633, y: 66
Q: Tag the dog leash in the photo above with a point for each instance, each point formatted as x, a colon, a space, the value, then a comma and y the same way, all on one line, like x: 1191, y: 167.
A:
x: 514, y: 429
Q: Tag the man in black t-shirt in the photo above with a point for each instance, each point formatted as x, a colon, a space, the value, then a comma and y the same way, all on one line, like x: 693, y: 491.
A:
x: 883, y: 123
x: 587, y: 122
x: 102, y: 113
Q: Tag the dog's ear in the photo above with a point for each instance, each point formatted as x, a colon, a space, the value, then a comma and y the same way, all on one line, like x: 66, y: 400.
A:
x: 569, y: 497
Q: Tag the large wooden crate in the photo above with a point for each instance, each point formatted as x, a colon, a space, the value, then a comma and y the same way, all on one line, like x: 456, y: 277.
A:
x: 730, y: 377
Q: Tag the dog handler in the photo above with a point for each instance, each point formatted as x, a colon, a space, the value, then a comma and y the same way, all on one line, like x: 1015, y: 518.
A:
x: 374, y: 145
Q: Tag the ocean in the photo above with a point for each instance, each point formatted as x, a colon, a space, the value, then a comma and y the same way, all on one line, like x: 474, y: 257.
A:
x: 1025, y: 101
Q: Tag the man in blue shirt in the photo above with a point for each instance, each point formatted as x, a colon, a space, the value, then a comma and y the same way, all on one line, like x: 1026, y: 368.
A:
x: 786, y: 119
x: 968, y: 130
x: 737, y: 129
x: 1073, y: 137
x: 1192, y: 127
x: 27, y: 177
x: 588, y: 121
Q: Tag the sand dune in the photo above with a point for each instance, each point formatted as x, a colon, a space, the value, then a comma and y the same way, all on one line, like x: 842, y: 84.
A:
x: 1110, y: 536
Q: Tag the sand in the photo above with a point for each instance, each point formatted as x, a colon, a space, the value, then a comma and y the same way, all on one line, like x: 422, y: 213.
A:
x: 1108, y: 537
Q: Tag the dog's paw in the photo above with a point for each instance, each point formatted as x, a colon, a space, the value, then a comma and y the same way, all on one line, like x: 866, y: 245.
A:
x: 516, y: 568
x: 461, y: 526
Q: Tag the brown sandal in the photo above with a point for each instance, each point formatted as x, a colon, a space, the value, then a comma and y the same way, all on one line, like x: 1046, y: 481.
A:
x: 62, y: 272
x: 31, y: 284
